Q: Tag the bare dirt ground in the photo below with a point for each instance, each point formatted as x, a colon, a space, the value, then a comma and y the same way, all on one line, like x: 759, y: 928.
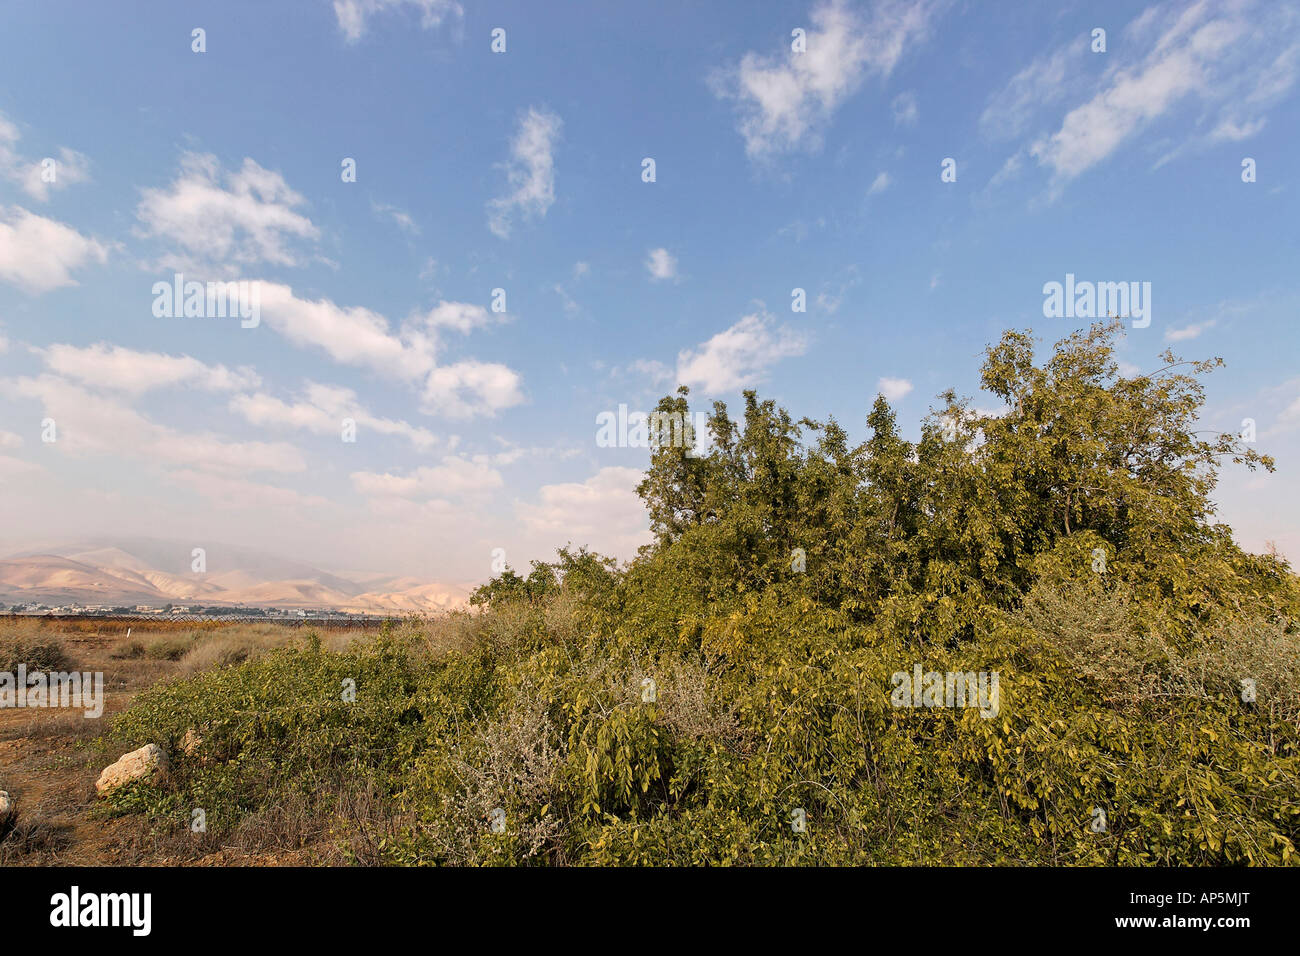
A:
x: 50, y: 758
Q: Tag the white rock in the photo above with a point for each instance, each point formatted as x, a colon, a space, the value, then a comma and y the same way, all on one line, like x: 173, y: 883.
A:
x: 136, y: 765
x: 6, y: 806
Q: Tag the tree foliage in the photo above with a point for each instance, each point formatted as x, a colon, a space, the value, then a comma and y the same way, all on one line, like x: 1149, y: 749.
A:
x: 685, y: 708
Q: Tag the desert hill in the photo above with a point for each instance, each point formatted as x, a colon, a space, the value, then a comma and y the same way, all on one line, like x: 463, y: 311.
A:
x: 149, y: 571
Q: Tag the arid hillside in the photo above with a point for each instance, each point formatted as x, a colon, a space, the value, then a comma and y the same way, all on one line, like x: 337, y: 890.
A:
x: 160, y: 573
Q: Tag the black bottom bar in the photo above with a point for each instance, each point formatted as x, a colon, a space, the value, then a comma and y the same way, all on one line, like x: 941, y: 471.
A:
x: 948, y: 906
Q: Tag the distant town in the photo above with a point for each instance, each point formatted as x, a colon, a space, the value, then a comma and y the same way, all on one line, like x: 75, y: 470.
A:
x: 193, y: 612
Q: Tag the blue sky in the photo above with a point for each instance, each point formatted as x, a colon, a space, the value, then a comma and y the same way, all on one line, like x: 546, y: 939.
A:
x: 522, y: 171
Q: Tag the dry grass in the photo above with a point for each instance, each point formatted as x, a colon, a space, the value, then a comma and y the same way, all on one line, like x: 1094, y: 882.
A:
x: 25, y: 643
x: 49, y: 758
x: 35, y: 834
x: 34, y: 724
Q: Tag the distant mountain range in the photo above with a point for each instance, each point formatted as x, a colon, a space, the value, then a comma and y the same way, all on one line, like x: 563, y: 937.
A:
x: 157, y: 572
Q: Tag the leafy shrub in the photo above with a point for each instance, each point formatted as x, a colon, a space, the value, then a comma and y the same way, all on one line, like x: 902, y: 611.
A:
x: 1066, y: 545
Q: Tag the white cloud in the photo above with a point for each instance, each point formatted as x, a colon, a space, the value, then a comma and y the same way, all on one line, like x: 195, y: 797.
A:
x: 353, y: 14
x: 893, y: 389
x: 1226, y: 57
x: 361, y: 337
x: 322, y: 410
x: 530, y: 173
x: 10, y: 440
x: 90, y: 423
x: 1189, y: 332
x: 1093, y: 131
x: 661, y: 264
x: 603, y: 512
x: 350, y: 336
x: 657, y: 372
x: 784, y: 102
x: 39, y: 254
x: 222, y: 219
x: 739, y: 356
x: 122, y: 369
x: 34, y: 175
x: 879, y: 184
x: 455, y: 477
x: 461, y: 316
x: 1229, y: 131
x: 469, y: 388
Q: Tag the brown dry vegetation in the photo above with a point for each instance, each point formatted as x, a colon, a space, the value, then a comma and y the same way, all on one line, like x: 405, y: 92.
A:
x: 50, y: 758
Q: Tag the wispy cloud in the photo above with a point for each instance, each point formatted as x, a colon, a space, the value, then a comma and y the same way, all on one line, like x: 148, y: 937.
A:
x: 399, y: 216
x: 785, y: 102
x: 1232, y: 62
x: 1188, y: 332
x: 738, y: 357
x: 354, y: 15
x: 455, y: 477
x: 1044, y: 82
x: 321, y: 410
x: 238, y: 493
x: 39, y: 176
x: 906, y: 112
x: 661, y: 265
x: 893, y: 389
x: 530, y: 172
x: 127, y: 370
x: 95, y: 423
x: 603, y: 510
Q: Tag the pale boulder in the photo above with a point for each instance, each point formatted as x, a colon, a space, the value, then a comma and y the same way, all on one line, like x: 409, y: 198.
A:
x: 136, y: 765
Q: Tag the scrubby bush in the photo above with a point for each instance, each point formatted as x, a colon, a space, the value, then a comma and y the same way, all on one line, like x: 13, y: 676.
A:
x: 29, y: 647
x: 729, y: 696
